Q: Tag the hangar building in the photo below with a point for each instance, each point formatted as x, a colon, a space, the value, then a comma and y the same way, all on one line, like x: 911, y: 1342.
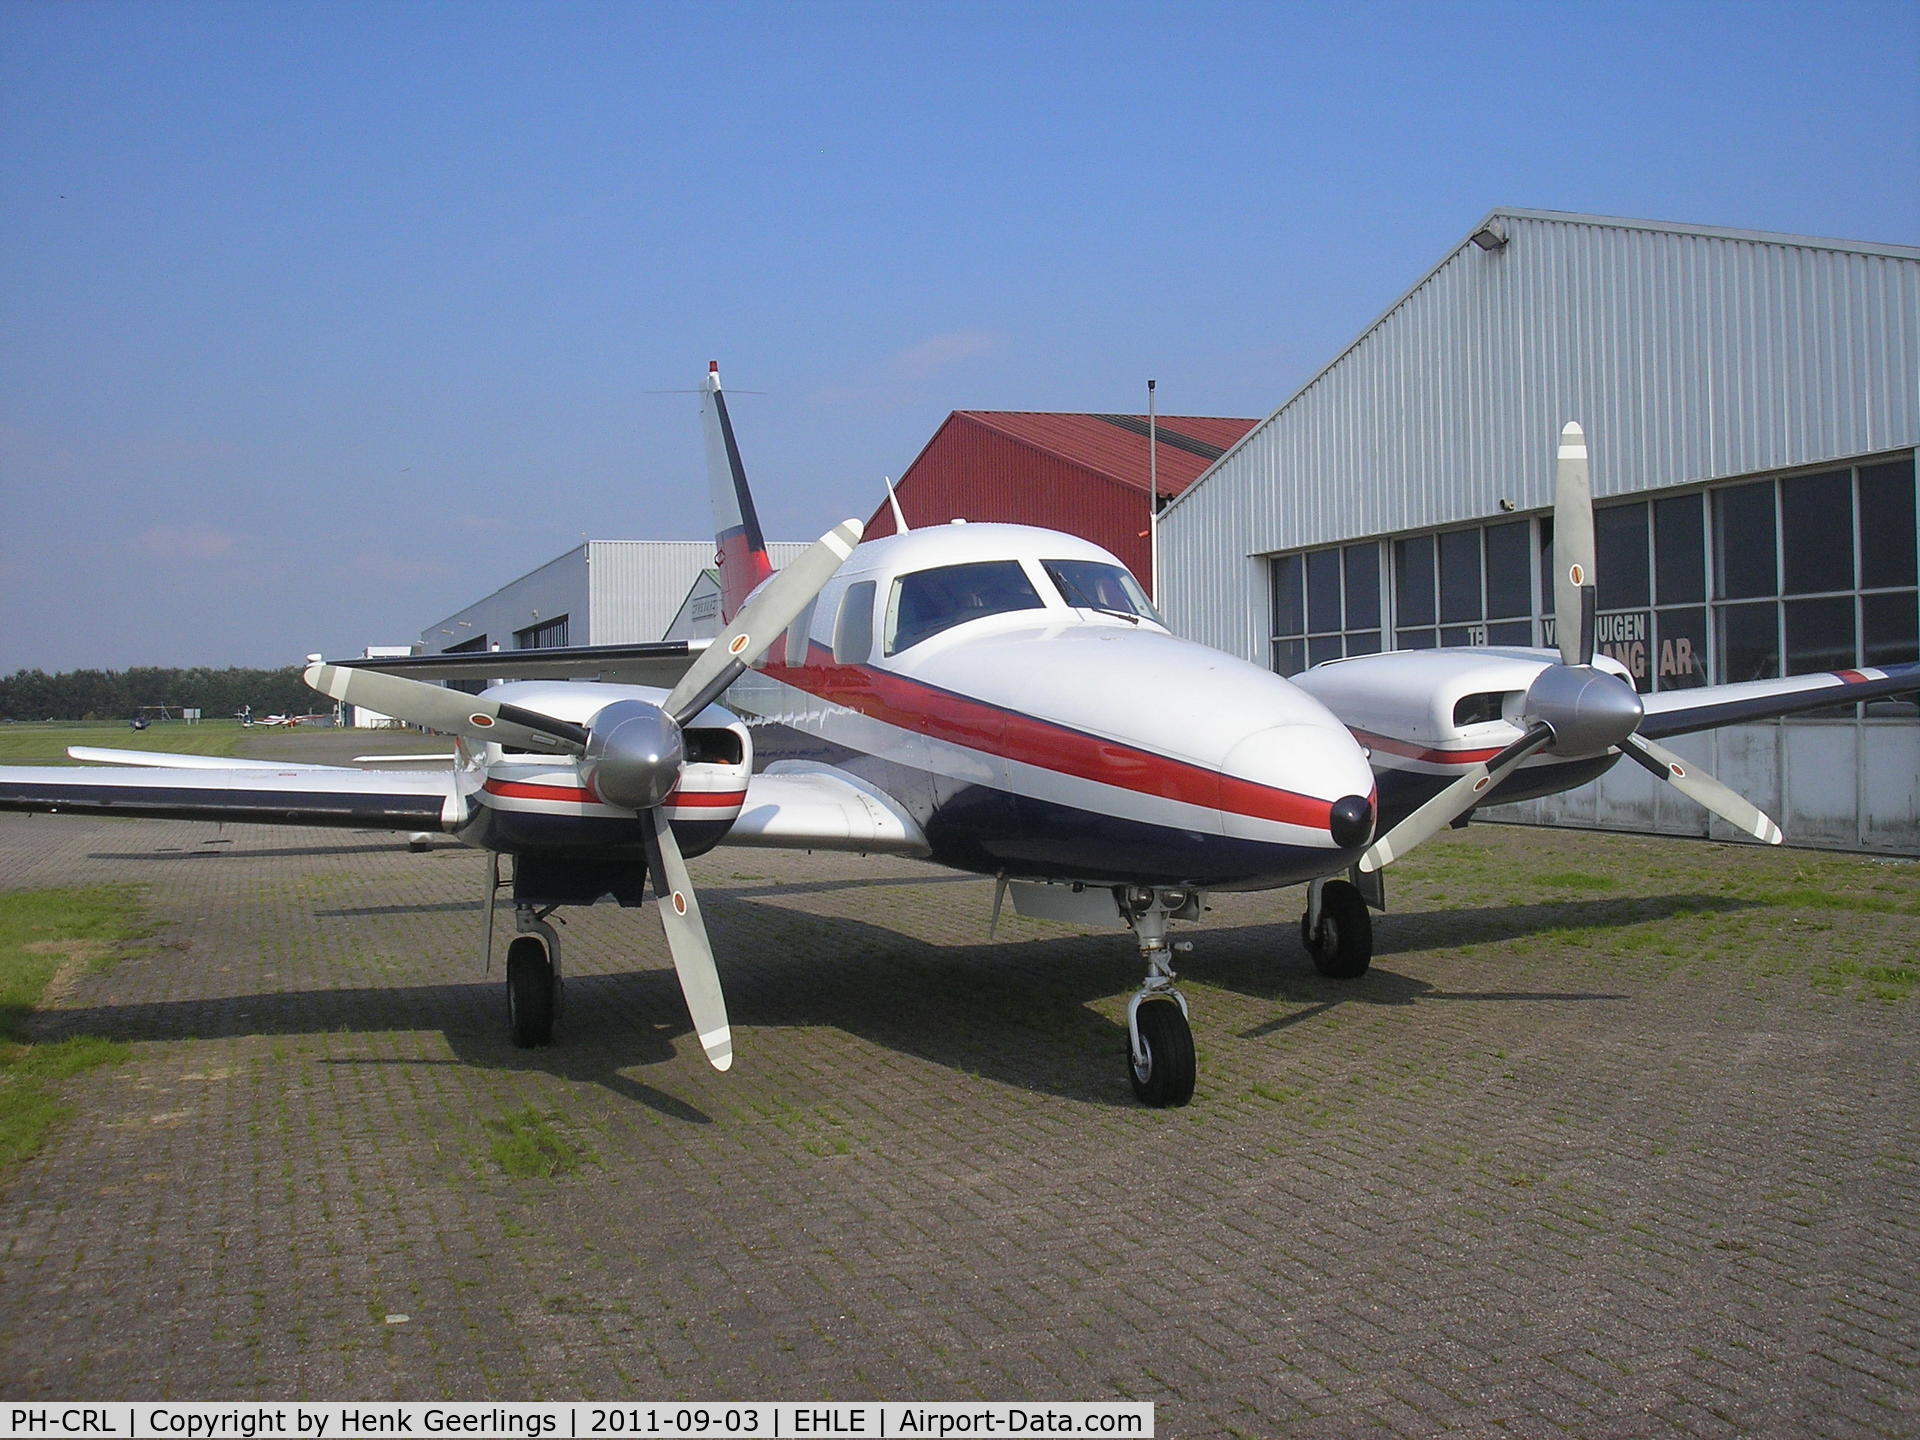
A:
x: 1086, y: 474
x: 1752, y: 404
x: 601, y: 592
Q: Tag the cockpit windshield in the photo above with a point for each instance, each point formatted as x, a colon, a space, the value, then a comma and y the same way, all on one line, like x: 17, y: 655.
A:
x: 1094, y: 585
x: 929, y: 601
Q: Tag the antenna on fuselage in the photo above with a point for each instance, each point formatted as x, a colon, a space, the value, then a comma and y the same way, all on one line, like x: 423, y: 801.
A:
x: 1153, y: 497
x: 899, y: 516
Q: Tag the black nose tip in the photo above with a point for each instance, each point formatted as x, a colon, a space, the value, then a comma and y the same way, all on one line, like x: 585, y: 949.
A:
x: 1351, y: 821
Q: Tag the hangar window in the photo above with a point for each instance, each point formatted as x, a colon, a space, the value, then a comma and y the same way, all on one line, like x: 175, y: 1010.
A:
x: 476, y: 646
x: 1620, y: 556
x: 543, y: 636
x: 1509, y: 568
x: 1816, y: 572
x: 1464, y: 587
x: 1742, y: 581
x: 1745, y: 535
x: 929, y: 601
x: 1326, y: 605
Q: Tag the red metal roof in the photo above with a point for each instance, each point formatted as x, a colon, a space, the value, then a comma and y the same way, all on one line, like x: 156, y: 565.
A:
x: 1116, y: 445
x: 1085, y: 474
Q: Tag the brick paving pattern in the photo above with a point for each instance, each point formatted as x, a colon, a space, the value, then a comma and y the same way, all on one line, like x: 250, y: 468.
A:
x: 1618, y: 1138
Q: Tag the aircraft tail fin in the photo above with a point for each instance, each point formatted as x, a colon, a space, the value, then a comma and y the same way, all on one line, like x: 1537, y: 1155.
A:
x: 742, y: 548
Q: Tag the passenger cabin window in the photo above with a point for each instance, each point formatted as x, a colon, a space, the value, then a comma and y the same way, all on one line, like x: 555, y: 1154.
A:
x: 929, y: 601
x: 853, y: 626
x: 1095, y: 585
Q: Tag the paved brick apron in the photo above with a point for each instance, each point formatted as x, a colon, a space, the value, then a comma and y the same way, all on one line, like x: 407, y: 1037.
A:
x: 1632, y: 1155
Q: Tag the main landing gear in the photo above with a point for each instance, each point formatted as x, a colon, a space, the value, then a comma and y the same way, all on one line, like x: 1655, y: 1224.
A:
x: 533, y: 966
x: 533, y: 979
x: 1160, y: 1055
x: 1337, y: 930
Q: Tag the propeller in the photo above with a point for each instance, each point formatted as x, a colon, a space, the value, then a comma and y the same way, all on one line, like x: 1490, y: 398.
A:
x: 631, y: 751
x: 1572, y: 708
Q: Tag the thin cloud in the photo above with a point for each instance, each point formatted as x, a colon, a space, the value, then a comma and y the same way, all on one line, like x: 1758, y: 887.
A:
x: 899, y: 379
x: 939, y: 352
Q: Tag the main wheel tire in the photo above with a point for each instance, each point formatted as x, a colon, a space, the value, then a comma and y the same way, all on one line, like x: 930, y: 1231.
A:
x: 530, y: 993
x: 1166, y: 1079
x: 1342, y: 948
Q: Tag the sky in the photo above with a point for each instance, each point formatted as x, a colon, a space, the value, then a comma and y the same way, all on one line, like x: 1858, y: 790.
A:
x: 319, y: 321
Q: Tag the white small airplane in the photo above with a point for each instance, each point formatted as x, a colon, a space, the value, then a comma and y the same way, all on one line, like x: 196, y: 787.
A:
x: 997, y: 699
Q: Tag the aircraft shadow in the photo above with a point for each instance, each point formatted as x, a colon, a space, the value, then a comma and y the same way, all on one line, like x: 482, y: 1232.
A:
x: 707, y: 892
x: 1019, y: 1012
x: 206, y: 851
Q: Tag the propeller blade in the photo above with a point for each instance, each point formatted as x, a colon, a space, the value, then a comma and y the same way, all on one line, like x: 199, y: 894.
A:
x: 1573, y: 549
x: 1453, y: 802
x: 451, y: 711
x: 687, y: 939
x: 1703, y: 789
x: 777, y: 605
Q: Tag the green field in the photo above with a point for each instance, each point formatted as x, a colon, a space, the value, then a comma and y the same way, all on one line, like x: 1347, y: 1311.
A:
x: 45, y: 743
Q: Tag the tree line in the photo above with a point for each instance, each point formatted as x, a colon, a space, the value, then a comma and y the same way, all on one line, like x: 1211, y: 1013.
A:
x: 120, y: 694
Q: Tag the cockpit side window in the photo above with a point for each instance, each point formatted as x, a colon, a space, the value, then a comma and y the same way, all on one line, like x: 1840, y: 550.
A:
x: 1095, y: 585
x: 929, y: 601
x: 853, y: 626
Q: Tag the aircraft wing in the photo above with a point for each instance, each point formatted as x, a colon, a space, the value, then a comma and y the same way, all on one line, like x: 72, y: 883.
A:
x: 243, y: 794
x: 793, y: 806
x: 659, y: 664
x: 1680, y: 712
x: 165, y: 760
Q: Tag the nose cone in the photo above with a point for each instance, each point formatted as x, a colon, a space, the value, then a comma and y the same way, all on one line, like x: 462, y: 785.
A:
x: 1320, y: 765
x: 634, y: 754
x: 1351, y: 821
x: 1588, y: 709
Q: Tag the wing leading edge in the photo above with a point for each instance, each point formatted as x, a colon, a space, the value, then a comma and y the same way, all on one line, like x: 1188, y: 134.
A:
x: 1681, y: 712
x: 660, y: 663
x: 361, y: 799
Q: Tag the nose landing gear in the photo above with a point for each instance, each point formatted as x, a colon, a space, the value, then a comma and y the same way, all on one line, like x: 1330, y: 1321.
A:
x: 1160, y: 1055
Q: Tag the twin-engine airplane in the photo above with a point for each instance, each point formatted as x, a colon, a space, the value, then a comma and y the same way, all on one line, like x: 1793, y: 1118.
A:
x: 997, y: 699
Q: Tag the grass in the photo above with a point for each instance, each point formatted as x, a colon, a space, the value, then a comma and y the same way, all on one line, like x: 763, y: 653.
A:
x: 526, y: 1143
x: 46, y: 744
x: 1890, y: 984
x: 43, y: 932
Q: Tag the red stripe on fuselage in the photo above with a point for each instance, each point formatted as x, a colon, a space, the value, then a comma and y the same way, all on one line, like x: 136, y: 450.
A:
x: 1408, y: 750
x: 576, y: 795
x: 520, y: 790
x: 993, y: 730
x: 706, y: 799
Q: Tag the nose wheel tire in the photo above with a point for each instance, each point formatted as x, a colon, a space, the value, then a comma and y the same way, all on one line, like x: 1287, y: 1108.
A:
x: 531, y: 993
x: 1342, y: 944
x: 1164, y: 1071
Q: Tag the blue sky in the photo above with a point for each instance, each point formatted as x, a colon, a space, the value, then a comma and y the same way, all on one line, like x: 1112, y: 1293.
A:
x: 322, y: 320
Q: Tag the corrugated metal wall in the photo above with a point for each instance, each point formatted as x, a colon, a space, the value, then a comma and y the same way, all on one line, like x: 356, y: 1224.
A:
x: 614, y: 592
x: 1689, y: 355
x: 558, y: 587
x: 636, y: 586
